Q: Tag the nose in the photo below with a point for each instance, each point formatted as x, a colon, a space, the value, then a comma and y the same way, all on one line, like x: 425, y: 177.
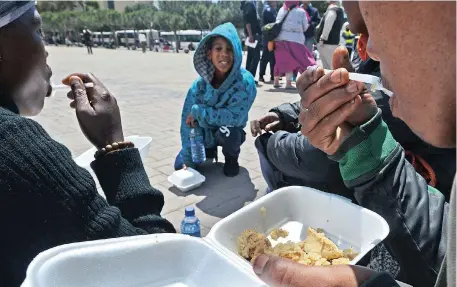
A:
x: 371, y: 51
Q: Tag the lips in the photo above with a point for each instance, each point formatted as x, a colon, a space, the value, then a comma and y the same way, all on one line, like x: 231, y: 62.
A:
x: 48, y: 81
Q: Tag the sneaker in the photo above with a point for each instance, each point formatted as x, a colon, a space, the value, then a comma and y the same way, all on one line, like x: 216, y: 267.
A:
x: 231, y: 166
x: 261, y: 79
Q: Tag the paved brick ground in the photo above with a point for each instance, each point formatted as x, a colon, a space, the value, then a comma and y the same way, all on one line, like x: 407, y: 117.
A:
x: 150, y: 89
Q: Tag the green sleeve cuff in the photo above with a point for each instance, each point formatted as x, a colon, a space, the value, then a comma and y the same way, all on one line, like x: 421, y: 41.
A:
x: 369, y: 155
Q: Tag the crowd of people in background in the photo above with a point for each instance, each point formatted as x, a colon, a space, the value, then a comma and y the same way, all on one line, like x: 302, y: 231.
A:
x: 302, y: 30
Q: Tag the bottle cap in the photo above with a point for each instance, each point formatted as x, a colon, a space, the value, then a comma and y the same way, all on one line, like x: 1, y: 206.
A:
x: 189, y: 211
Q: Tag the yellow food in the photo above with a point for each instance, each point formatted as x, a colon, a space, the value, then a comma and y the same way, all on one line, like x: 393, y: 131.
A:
x: 278, y: 233
x: 315, y: 250
x: 252, y: 244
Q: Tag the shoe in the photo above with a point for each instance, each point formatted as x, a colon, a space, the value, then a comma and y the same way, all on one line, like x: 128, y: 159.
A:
x: 231, y: 166
x: 261, y: 79
x: 272, y: 79
x: 211, y: 154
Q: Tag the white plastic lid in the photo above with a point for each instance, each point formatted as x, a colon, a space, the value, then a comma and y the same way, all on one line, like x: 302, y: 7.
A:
x: 186, y: 177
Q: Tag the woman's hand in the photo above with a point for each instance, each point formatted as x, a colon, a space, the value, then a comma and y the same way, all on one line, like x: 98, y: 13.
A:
x: 190, y: 121
x: 96, y: 109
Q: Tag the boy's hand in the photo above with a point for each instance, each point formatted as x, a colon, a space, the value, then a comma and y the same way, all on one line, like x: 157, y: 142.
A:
x: 190, y: 121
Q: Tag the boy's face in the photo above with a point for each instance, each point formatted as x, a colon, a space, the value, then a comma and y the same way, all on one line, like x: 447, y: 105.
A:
x: 221, y: 55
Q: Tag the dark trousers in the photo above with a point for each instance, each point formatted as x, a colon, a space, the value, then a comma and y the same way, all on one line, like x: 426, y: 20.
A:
x: 253, y: 59
x: 89, y: 49
x: 231, y: 139
x: 267, y: 57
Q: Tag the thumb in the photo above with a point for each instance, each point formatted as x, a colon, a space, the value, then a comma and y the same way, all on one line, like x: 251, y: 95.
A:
x: 271, y: 126
x: 79, y: 91
x: 280, y: 272
x: 340, y: 59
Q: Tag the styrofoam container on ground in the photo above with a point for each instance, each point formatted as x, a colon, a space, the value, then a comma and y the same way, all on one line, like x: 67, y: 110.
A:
x: 158, y: 260
x: 84, y: 160
x: 186, y: 179
x: 297, y: 208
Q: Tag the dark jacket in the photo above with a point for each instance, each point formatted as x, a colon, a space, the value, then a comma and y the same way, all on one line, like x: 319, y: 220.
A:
x: 268, y: 14
x: 315, y: 20
x: 373, y: 165
x: 250, y: 17
x: 47, y: 200
x: 334, y: 35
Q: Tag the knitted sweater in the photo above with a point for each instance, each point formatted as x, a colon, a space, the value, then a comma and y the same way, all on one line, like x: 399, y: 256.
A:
x: 47, y: 200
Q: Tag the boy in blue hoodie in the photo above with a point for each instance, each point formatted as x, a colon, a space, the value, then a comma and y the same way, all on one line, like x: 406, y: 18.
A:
x: 219, y: 100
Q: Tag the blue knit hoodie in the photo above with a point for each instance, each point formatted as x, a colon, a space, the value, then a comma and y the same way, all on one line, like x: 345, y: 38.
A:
x: 228, y: 105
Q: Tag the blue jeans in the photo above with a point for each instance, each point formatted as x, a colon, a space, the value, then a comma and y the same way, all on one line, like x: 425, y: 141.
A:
x: 229, y: 138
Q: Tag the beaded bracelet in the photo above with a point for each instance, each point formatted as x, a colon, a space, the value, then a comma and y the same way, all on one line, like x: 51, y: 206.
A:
x: 113, y: 147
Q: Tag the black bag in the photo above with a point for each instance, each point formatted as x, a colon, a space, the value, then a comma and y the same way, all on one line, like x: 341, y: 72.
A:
x: 271, y: 31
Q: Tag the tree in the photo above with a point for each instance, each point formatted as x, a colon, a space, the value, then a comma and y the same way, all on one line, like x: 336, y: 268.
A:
x: 196, y: 17
x: 176, y: 22
x: 215, y: 15
x: 139, y: 7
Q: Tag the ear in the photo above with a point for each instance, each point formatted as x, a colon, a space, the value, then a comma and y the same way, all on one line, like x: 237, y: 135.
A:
x: 208, y: 54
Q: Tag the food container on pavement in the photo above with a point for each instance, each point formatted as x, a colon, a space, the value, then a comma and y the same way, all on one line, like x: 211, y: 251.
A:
x: 175, y: 260
x: 84, y: 160
x: 186, y: 179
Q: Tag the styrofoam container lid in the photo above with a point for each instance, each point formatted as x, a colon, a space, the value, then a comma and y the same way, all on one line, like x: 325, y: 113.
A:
x: 295, y: 209
x: 186, y: 178
x: 171, y: 260
x: 141, y: 143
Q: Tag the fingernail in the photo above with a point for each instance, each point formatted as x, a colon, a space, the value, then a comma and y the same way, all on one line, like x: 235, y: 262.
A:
x: 259, y: 264
x: 314, y: 67
x: 335, y: 77
x: 352, y: 87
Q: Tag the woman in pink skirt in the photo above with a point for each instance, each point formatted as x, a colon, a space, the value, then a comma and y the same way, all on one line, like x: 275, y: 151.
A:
x: 291, y: 53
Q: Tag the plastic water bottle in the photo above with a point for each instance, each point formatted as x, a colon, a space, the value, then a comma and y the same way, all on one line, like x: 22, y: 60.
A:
x: 197, y: 145
x: 190, y: 225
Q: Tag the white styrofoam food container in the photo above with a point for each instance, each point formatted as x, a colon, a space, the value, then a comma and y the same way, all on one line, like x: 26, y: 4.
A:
x: 186, y: 179
x: 297, y: 208
x: 157, y: 260
x: 174, y: 260
x: 84, y: 160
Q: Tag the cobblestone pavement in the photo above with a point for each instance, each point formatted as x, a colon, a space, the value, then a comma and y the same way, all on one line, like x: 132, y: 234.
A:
x: 150, y: 89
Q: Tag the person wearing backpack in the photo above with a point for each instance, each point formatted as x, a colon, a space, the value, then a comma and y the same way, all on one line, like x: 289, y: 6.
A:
x: 291, y: 54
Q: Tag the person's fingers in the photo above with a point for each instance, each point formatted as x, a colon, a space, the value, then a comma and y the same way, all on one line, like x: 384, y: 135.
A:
x: 71, y: 95
x: 330, y: 132
x: 325, y: 84
x: 85, y: 77
x: 280, y: 272
x: 340, y: 59
x: 255, y: 128
x: 80, y: 96
x: 325, y: 105
x: 309, y: 77
x: 272, y: 127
